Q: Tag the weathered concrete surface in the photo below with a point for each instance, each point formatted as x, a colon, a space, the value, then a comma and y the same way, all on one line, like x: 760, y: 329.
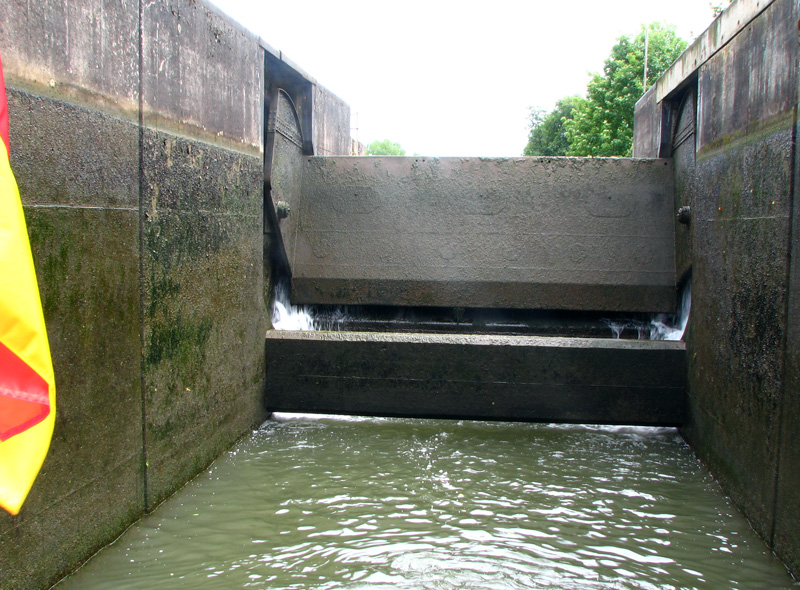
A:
x: 652, y: 123
x: 741, y: 227
x: 82, y: 218
x: 741, y: 182
x: 85, y: 52
x: 551, y: 233
x: 201, y: 75
x: 68, y: 156
x: 786, y: 535
x: 137, y: 143
x: 647, y: 126
x: 201, y: 198
x: 481, y: 377
x: 728, y: 25
x: 202, y: 292
x: 146, y: 221
x: 331, y: 124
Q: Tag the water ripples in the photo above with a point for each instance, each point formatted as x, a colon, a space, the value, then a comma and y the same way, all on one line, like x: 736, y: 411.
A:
x: 424, y: 504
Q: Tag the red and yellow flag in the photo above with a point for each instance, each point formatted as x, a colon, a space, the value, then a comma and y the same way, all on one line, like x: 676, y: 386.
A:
x: 27, y: 385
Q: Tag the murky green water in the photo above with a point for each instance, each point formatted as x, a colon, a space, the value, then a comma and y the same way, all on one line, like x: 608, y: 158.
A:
x: 394, y: 503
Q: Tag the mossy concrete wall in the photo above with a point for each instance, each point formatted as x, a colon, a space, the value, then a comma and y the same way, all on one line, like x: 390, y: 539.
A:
x: 137, y: 144
x: 739, y: 176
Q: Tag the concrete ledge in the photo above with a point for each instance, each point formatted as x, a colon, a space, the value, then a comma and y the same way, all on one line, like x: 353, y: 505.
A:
x: 477, y: 376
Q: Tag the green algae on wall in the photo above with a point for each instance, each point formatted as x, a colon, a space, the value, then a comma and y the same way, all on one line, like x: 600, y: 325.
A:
x: 202, y: 289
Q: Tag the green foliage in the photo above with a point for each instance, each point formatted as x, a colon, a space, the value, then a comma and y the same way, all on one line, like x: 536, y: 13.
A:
x: 547, y: 136
x: 602, y: 125
x: 385, y: 148
x: 719, y: 8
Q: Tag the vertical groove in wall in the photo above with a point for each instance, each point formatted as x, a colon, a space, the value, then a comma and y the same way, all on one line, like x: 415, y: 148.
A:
x: 141, y: 262
x: 267, y: 222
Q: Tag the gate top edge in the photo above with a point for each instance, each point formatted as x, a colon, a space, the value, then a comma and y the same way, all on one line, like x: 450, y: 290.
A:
x: 478, y: 340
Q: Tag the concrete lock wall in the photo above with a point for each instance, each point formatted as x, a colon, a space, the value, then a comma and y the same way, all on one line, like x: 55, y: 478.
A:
x: 136, y: 141
x: 137, y: 144
x: 736, y: 166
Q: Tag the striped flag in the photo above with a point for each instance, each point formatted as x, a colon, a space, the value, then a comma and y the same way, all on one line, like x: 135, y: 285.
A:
x: 27, y: 385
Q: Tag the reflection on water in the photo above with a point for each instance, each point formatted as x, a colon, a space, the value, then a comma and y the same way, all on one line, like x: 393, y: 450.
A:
x: 394, y: 503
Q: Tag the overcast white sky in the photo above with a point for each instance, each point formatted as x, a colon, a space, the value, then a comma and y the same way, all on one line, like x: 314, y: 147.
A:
x: 454, y: 78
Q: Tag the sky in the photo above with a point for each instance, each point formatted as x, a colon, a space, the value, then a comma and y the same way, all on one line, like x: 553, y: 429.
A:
x: 454, y: 78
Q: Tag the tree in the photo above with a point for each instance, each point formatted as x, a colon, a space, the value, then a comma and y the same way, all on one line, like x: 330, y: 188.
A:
x: 547, y: 137
x: 385, y: 148
x: 602, y: 125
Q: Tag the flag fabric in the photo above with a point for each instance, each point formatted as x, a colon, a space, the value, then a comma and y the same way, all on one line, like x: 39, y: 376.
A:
x: 27, y: 384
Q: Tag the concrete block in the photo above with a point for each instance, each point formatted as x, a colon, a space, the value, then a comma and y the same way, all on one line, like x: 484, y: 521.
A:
x: 738, y: 325
x: 202, y: 290
x: 149, y: 248
x: 331, y: 124
x: 478, y: 377
x: 82, y: 51
x: 647, y: 126
x: 90, y: 487
x: 546, y: 233
x: 786, y: 531
x: 201, y: 75
x: 742, y: 97
x: 71, y: 156
x: 41, y: 547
